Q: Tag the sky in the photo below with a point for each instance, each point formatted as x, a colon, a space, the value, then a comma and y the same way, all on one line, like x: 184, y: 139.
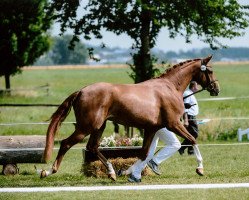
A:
x: 163, y: 41
x: 166, y: 44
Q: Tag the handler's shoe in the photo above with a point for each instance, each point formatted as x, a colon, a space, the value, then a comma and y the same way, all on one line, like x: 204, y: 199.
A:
x: 181, y: 152
x: 154, y: 167
x: 133, y: 179
x: 191, y: 152
x: 120, y: 172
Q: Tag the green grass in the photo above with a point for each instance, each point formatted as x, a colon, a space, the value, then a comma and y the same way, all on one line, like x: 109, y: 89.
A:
x: 203, y: 194
x: 62, y: 84
x: 223, y: 164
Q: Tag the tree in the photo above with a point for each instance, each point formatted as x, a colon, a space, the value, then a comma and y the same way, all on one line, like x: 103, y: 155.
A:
x: 143, y: 19
x: 61, y: 54
x: 23, y: 38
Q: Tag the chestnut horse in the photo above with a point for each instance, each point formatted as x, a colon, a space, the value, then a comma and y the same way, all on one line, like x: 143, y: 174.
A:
x: 150, y: 105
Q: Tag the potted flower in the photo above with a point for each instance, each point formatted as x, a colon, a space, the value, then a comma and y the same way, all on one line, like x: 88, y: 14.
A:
x: 112, y: 147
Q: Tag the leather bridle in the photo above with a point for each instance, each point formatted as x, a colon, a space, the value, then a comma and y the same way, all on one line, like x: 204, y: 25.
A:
x: 210, y: 84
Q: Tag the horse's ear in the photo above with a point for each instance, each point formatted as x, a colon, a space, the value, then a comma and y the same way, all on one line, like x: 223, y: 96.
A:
x: 207, y: 59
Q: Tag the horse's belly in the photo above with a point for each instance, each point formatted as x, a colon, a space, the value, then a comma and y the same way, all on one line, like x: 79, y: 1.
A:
x: 138, y: 117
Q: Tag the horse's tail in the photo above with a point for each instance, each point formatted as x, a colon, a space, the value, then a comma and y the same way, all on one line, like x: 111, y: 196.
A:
x: 55, y: 122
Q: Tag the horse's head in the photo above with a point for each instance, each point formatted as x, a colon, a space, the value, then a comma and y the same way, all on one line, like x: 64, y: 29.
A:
x: 206, y: 78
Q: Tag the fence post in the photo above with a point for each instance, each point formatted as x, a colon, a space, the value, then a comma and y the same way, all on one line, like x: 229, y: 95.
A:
x: 240, y: 134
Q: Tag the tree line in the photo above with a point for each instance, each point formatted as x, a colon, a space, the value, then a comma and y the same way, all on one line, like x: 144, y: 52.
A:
x: 60, y: 53
x: 225, y: 54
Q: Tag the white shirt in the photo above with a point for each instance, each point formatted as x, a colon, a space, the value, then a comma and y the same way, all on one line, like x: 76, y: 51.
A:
x: 194, y: 110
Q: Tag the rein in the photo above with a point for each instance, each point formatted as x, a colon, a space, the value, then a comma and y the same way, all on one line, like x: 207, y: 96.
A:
x: 210, y: 83
x: 194, y: 93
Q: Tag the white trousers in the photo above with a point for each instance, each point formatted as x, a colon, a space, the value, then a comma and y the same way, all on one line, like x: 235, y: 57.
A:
x: 172, y: 145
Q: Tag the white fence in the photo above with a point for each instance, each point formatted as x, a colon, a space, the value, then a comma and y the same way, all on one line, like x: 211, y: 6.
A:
x: 241, y: 133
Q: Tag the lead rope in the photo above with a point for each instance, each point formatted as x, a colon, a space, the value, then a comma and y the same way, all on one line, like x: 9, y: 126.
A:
x: 193, y: 93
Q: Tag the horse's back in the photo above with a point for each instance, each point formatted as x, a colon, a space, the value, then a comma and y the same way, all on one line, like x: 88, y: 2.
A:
x: 122, y: 102
x: 129, y: 104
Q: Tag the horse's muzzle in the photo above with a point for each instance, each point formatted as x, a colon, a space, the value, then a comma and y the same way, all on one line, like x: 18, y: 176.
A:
x: 214, y: 88
x: 214, y: 92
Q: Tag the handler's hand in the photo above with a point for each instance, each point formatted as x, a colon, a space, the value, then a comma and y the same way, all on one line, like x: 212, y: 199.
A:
x: 186, y: 124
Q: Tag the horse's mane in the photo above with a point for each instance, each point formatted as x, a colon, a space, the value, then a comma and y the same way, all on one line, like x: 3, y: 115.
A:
x: 176, y: 66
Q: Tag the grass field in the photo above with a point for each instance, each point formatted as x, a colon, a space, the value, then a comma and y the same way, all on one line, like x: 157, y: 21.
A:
x: 62, y: 84
x: 210, y: 194
x: 223, y: 164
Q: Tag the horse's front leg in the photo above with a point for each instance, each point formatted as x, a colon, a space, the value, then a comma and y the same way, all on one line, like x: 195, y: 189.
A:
x: 199, y: 169
x: 180, y: 130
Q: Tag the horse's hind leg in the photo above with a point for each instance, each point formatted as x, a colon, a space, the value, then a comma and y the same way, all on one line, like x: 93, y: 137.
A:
x: 93, y: 144
x: 108, y: 165
x: 66, y: 144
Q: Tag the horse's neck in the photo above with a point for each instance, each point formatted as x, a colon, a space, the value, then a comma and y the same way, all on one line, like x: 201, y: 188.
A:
x: 183, y: 76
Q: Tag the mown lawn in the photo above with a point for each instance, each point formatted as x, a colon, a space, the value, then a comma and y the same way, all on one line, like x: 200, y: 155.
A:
x: 203, y: 194
x: 223, y: 164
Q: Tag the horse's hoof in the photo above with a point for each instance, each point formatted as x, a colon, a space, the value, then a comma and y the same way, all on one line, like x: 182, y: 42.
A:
x: 200, y: 171
x: 43, y: 173
x: 112, y: 177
